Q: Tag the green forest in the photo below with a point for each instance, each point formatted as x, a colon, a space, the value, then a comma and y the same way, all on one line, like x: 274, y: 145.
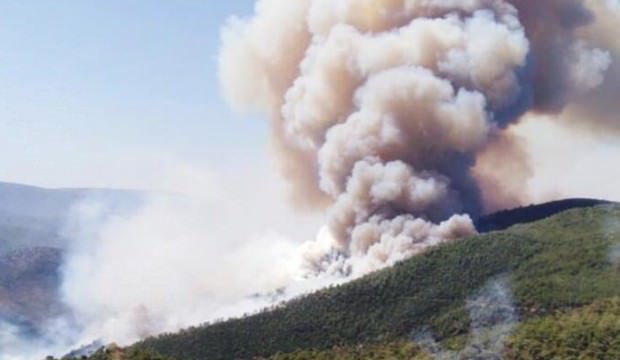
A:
x: 562, y: 272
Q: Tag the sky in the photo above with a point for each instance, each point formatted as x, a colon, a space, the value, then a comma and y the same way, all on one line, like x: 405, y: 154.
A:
x: 109, y: 93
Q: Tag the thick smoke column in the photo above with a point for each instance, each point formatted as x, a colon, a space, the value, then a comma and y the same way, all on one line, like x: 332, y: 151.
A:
x: 381, y: 108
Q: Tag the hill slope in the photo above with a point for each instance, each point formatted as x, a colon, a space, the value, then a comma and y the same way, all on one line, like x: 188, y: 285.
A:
x: 29, y: 283
x: 504, y: 219
x: 32, y: 216
x: 32, y: 247
x: 558, y: 264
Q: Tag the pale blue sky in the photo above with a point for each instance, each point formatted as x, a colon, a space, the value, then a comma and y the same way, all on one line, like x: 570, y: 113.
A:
x: 87, y: 85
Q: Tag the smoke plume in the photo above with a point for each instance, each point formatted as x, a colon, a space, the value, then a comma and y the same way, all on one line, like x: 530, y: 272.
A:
x: 176, y: 259
x: 122, y: 269
x: 399, y: 119
x: 399, y: 116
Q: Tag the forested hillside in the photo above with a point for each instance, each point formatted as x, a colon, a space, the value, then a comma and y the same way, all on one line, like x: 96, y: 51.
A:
x: 549, y: 270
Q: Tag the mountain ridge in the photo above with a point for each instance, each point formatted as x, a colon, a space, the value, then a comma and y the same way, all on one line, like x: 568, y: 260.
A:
x: 554, y: 265
x: 38, y: 239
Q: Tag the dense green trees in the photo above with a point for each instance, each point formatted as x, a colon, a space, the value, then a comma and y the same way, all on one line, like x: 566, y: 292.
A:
x: 426, y: 291
x: 589, y: 333
x: 399, y: 350
x: 113, y: 352
x: 555, y: 264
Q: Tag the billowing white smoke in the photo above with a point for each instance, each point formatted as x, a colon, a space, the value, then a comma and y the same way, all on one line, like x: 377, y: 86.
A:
x: 391, y: 111
x: 16, y: 343
x: 181, y: 260
x: 401, y: 117
x: 177, y: 260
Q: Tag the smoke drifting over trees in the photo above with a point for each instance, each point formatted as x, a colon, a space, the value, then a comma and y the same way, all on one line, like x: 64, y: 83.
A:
x: 400, y: 115
x: 401, y: 120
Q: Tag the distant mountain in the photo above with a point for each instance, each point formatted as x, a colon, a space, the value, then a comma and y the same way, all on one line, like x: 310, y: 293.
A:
x: 555, y: 262
x: 32, y: 247
x: 548, y: 289
x: 22, y: 232
x: 29, y: 285
x: 33, y: 216
x: 44, y: 203
x: 36, y: 202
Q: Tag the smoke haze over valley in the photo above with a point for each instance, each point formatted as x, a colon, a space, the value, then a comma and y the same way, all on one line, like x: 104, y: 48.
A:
x: 392, y: 127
